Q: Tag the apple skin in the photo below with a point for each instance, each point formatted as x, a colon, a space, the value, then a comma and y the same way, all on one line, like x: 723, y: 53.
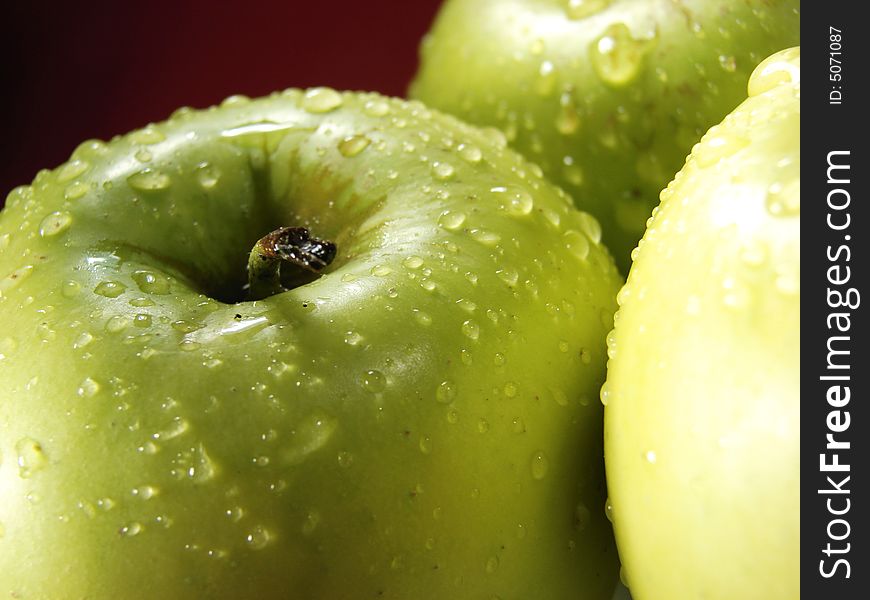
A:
x: 608, y: 97
x: 702, y: 416
x: 416, y: 423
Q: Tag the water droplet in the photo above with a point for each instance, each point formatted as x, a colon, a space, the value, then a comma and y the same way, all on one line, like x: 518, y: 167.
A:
x: 4, y: 241
x: 451, y: 220
x: 567, y: 120
x: 422, y: 318
x: 149, y: 180
x: 352, y: 338
x: 446, y: 392
x: 312, y: 520
x: 608, y: 510
x: 31, y: 457
x: 192, y: 463
x: 492, y: 564
x: 650, y: 456
x: 576, y: 243
x: 88, y: 388
x: 258, y: 538
x: 579, y: 9
x: 345, y: 459
x: 376, y: 108
x: 321, y: 100
x: 540, y: 465
x: 70, y: 289
x: 442, y: 170
x: 353, y: 145
x: 207, y: 176
x: 425, y: 444
x: 110, y: 289
x: 572, y: 172
x: 143, y: 155
x: 716, y: 145
x: 781, y: 68
x: 510, y: 389
x: 590, y: 226
x: 546, y: 80
x: 605, y: 393
x: 485, y: 236
x: 413, y: 262
x: 147, y: 135
x: 509, y: 275
x: 373, y: 381
x: 729, y: 63
x: 471, y: 330
x: 75, y: 190
x: 470, y: 153
x: 516, y: 201
x: 71, y: 170
x: 15, y: 278
x: 381, y: 270
x: 312, y: 434
x: 559, y: 396
x: 617, y: 55
x: 83, y: 340
x: 130, y: 530
x: 145, y: 492
x: 151, y: 283
x: 142, y: 320
x: 784, y: 200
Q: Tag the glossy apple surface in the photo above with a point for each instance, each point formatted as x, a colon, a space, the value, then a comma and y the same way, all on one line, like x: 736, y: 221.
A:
x: 418, y: 422
x: 608, y: 97
x: 702, y: 417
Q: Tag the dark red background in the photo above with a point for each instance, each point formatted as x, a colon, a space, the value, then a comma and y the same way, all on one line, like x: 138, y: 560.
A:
x: 77, y: 70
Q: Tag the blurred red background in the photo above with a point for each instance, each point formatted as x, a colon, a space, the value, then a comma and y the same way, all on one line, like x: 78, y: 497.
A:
x: 72, y: 71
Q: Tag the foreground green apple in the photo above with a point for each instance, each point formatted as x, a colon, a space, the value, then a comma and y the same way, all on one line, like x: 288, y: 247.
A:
x: 702, y: 397
x: 414, y: 423
x: 608, y: 96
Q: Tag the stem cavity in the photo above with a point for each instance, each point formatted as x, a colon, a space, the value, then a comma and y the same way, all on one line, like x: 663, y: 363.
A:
x: 284, y: 259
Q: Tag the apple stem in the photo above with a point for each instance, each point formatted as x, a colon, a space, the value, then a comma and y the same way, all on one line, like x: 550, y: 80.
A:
x: 286, y: 258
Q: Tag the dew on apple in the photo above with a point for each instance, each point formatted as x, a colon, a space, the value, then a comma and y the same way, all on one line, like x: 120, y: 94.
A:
x: 617, y: 55
x: 142, y: 320
x: 88, y: 388
x: 83, y: 339
x: 149, y: 180
x: 422, y: 318
x: 470, y: 153
x: 470, y: 329
x: 381, y: 270
x: 510, y: 389
x: 492, y: 564
x: 45, y: 333
x: 70, y: 288
x: 445, y: 392
x: 608, y: 510
x: 485, y: 236
x: 207, y: 176
x: 377, y: 107
x: 576, y: 243
x: 580, y: 9
x: 547, y: 78
x: 72, y: 169
x: 75, y: 190
x: 605, y: 394
x: 31, y: 457
x: 452, y: 416
x: 258, y: 538
x: 147, y: 135
x: 352, y: 145
x: 716, y: 145
x: 428, y: 285
x: 540, y: 465
x: 117, y: 323
x: 442, y: 170
x: 55, y: 223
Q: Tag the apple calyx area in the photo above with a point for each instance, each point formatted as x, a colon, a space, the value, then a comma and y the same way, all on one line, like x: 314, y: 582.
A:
x: 284, y: 259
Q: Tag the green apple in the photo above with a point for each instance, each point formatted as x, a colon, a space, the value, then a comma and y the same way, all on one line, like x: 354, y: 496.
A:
x: 411, y: 420
x: 702, y: 397
x: 607, y: 96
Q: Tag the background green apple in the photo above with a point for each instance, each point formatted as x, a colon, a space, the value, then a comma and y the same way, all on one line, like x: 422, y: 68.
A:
x: 419, y: 422
x: 702, y: 397
x: 607, y: 96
